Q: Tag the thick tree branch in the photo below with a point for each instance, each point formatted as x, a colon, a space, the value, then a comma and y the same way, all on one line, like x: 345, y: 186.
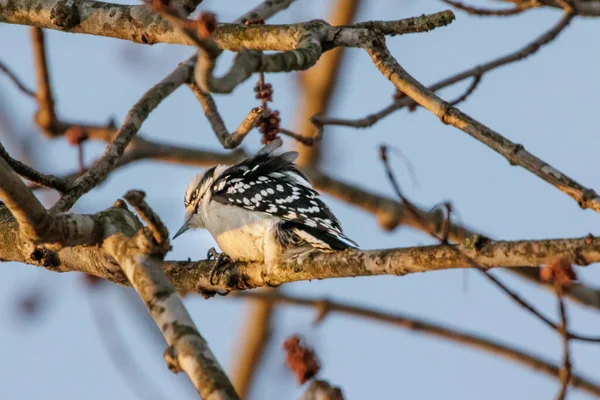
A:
x: 55, y: 231
x: 389, y: 212
x: 325, y: 307
x: 140, y: 257
x: 141, y: 25
x: 195, y: 276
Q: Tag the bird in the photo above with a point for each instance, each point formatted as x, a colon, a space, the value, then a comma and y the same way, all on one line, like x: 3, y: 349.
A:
x: 263, y: 209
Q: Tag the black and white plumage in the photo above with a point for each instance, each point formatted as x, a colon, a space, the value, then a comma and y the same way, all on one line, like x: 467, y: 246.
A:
x: 262, y: 209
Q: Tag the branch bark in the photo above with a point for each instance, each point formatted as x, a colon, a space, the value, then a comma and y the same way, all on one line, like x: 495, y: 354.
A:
x: 195, y: 276
x: 141, y: 25
x: 140, y: 257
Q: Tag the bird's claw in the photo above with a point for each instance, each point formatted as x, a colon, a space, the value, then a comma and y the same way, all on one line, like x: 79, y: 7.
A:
x: 212, y: 254
x: 221, y: 261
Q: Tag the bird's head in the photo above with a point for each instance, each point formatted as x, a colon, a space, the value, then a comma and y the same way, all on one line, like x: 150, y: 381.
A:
x: 197, y: 190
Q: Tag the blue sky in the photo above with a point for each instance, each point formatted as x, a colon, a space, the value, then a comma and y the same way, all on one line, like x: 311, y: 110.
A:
x: 548, y: 103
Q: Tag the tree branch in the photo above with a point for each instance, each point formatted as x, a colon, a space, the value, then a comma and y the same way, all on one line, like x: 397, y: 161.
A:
x: 140, y: 257
x: 227, y: 140
x: 514, y: 153
x: 49, y: 181
x: 518, y: 9
x: 195, y: 276
x: 479, y: 70
x: 584, y: 8
x: 141, y: 25
x: 136, y: 116
x: 390, y: 213
x: 20, y: 85
x: 55, y: 231
x: 45, y: 116
x: 324, y: 307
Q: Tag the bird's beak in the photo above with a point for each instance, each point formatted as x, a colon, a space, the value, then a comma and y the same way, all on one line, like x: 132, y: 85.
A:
x: 186, y: 225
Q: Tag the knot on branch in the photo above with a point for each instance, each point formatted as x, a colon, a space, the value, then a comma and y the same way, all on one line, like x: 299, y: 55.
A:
x: 65, y: 14
x: 170, y: 355
x: 45, y: 257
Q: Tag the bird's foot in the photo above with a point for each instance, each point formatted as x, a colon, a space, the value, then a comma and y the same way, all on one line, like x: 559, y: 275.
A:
x: 221, y: 262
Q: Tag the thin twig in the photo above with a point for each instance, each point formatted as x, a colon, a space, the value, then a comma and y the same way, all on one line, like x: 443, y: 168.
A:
x: 566, y: 370
x: 536, y: 312
x: 45, y: 180
x: 469, y: 91
x: 518, y: 9
x: 16, y: 80
x: 45, y: 116
x: 228, y: 140
x: 305, y: 140
x: 443, y: 241
x: 325, y: 307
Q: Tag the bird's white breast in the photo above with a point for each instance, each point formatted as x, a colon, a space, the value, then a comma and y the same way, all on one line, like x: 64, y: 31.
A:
x: 240, y: 233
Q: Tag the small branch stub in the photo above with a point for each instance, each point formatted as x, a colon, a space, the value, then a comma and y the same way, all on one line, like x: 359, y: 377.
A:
x: 171, y: 360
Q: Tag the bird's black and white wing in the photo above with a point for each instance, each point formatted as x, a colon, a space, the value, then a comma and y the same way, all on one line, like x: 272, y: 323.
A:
x: 274, y: 185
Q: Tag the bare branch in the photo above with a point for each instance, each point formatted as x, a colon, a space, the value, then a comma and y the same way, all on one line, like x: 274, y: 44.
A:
x: 49, y: 181
x: 390, y: 213
x: 16, y: 80
x: 55, y: 231
x: 479, y: 70
x: 141, y: 25
x: 514, y: 153
x: 187, y: 351
x: 518, y: 9
x: 227, y: 140
x: 584, y: 8
x: 305, y: 140
x: 45, y: 116
x: 415, y: 324
x: 566, y: 370
x: 136, y: 116
x: 518, y: 299
x: 468, y: 92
